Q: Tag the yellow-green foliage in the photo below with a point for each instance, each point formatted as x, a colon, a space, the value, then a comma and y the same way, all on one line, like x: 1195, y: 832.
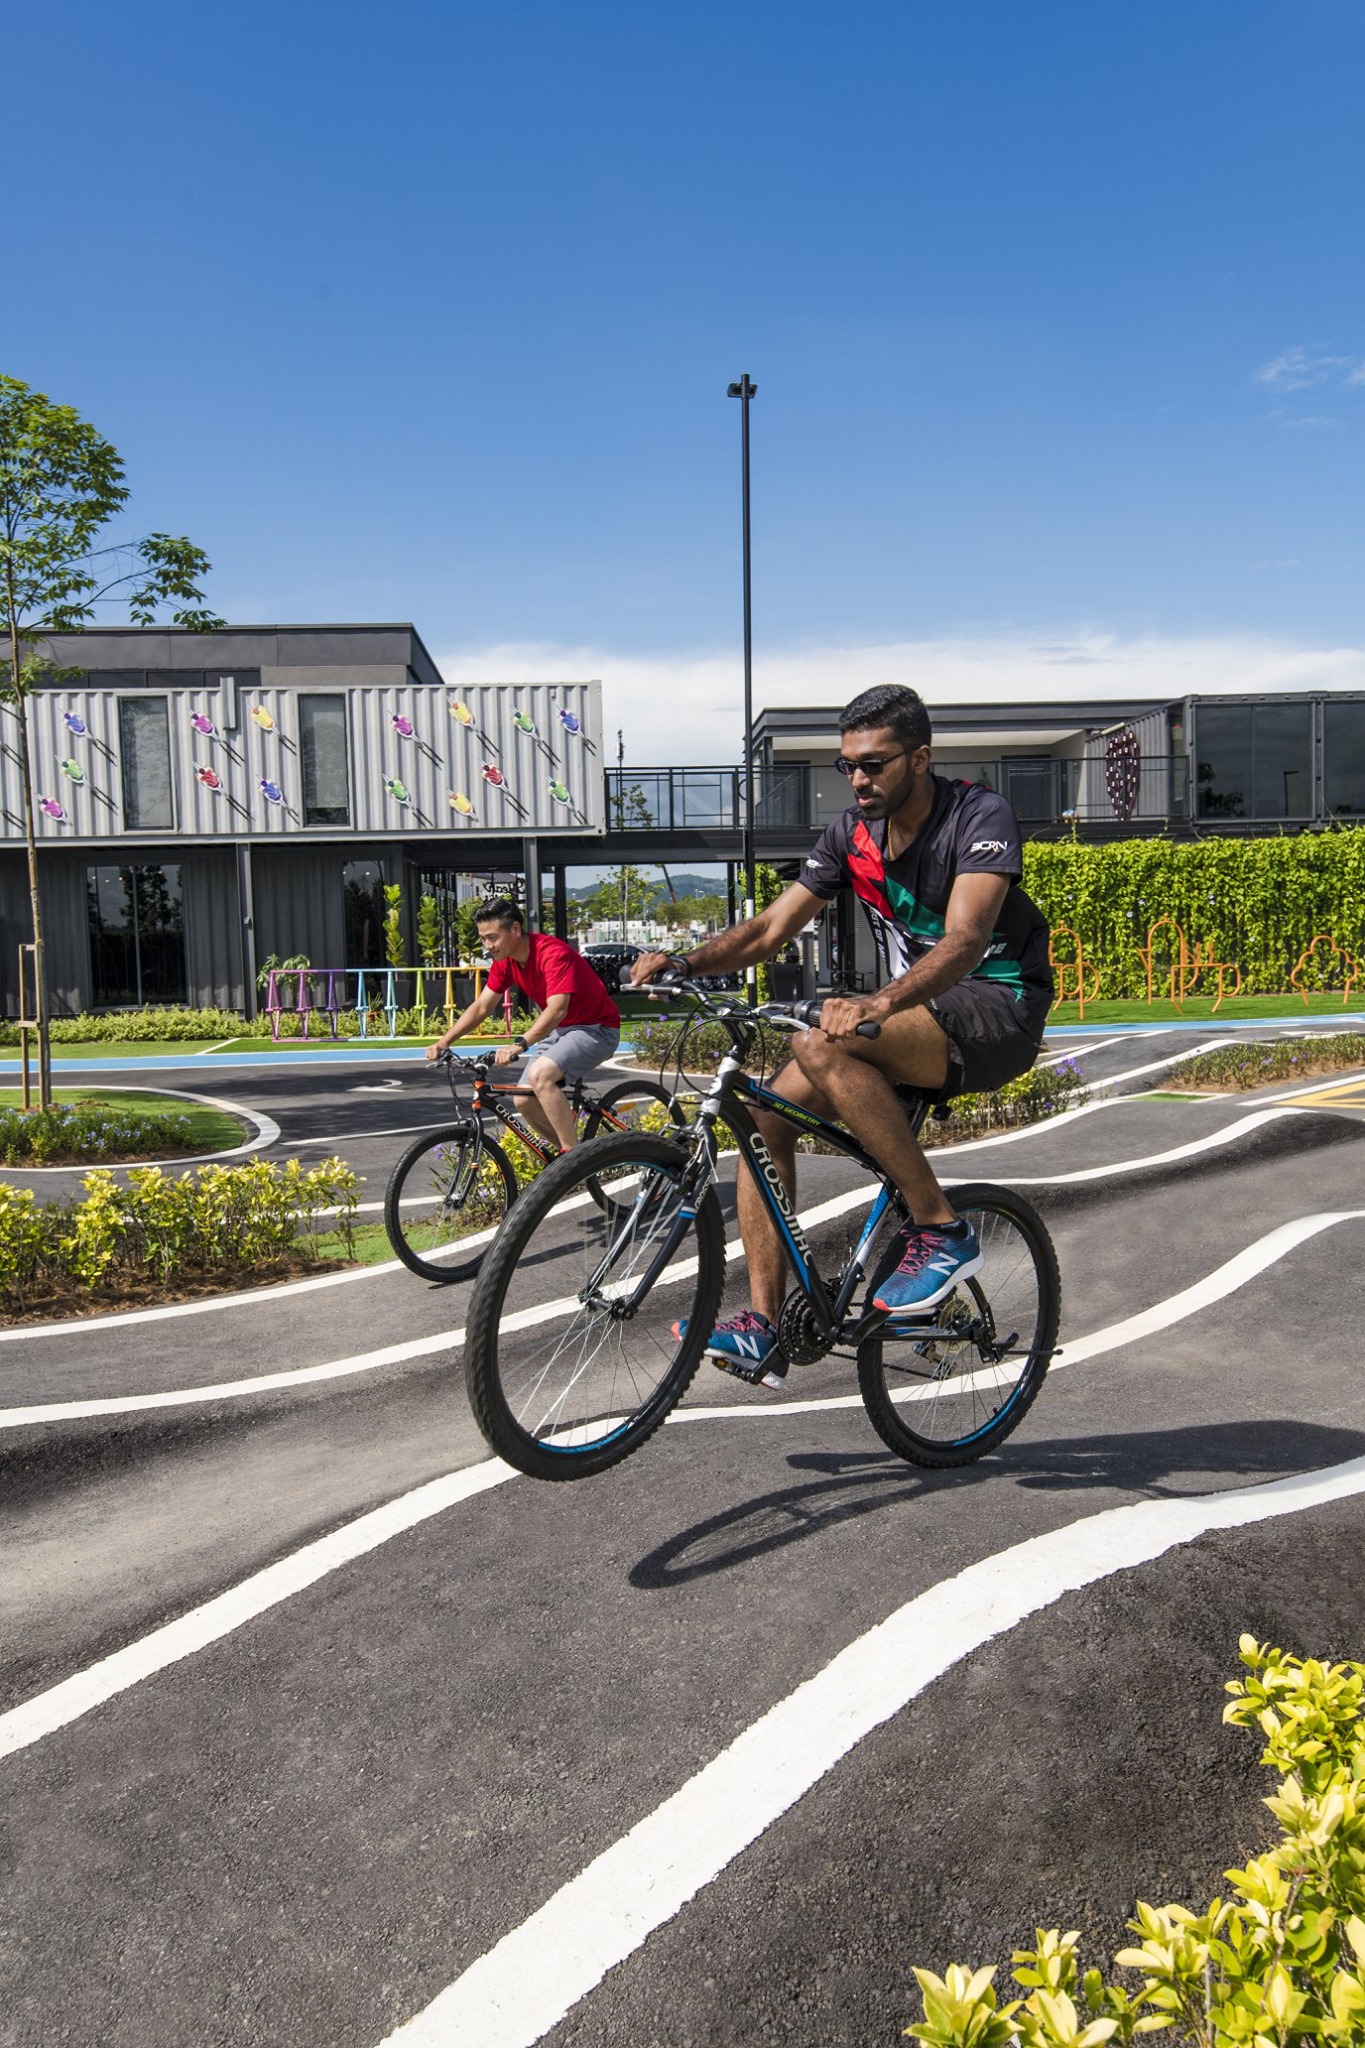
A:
x: 1258, y: 902
x: 220, y: 1220
x: 1282, y: 1960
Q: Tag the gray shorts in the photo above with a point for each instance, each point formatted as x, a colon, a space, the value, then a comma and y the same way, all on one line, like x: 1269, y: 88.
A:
x: 576, y: 1048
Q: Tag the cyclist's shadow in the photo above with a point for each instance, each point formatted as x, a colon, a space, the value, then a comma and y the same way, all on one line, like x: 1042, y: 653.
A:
x: 1161, y: 1463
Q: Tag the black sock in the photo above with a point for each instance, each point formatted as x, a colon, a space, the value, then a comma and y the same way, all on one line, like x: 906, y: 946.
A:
x: 957, y: 1229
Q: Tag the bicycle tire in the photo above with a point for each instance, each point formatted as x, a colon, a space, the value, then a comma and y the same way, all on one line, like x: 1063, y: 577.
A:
x: 958, y: 1416
x: 564, y: 1388
x: 425, y: 1239
x: 628, y: 1103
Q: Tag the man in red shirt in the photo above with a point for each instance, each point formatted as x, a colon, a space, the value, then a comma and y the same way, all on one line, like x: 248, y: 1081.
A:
x: 578, y: 1025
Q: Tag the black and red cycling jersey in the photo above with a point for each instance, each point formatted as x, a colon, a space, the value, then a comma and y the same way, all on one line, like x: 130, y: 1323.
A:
x: 971, y: 830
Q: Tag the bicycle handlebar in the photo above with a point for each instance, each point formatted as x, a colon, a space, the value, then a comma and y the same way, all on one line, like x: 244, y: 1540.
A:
x: 797, y: 1016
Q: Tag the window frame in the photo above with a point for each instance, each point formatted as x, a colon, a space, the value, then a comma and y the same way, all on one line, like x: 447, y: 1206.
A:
x: 136, y: 825
x: 349, y: 823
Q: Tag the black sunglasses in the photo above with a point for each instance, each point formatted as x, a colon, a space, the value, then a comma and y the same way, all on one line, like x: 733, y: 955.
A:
x: 870, y: 765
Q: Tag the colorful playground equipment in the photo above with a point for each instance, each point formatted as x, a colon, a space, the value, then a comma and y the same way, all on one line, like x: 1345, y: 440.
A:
x: 1307, y: 964
x: 378, y: 993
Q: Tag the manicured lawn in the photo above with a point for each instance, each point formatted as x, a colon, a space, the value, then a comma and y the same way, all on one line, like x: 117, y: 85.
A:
x: 1200, y: 1010
x: 211, y: 1130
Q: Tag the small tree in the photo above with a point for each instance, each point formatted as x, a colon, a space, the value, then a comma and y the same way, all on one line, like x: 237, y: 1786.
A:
x: 393, y: 924
x: 60, y: 485
x: 429, y: 930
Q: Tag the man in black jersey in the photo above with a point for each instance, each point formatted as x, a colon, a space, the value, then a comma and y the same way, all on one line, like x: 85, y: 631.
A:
x: 936, y: 866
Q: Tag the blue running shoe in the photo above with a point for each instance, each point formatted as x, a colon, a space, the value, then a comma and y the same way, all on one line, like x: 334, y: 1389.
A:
x: 746, y: 1346
x: 933, y: 1262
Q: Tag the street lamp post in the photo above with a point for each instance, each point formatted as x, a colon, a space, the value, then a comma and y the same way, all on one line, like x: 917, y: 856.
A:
x: 744, y: 391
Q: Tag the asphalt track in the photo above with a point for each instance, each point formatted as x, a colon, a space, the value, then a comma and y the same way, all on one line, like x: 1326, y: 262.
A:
x: 317, y: 1727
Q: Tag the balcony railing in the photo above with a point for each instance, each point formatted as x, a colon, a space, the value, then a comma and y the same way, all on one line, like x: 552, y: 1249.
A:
x: 698, y: 799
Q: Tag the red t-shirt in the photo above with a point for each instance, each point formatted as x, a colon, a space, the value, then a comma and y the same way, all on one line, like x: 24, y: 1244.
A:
x: 554, y: 969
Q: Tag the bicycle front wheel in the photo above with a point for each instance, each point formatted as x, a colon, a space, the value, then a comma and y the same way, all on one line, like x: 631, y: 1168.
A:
x: 589, y: 1318
x: 445, y: 1191
x: 948, y: 1398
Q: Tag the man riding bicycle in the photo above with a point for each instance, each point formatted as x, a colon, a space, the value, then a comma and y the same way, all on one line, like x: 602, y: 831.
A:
x: 577, y: 1026
x: 937, y: 867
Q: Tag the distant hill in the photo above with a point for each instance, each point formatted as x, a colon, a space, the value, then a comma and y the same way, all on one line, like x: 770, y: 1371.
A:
x: 683, y: 885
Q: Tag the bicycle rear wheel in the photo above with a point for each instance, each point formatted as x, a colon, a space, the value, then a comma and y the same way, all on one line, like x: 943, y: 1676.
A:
x: 948, y: 1399
x: 631, y: 1106
x: 443, y: 1191
x: 570, y: 1354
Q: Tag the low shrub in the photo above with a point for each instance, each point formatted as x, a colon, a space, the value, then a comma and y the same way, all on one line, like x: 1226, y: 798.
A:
x: 129, y: 1027
x: 1281, y: 1961
x: 79, y: 1131
x: 226, y: 1221
x: 1276, y: 1059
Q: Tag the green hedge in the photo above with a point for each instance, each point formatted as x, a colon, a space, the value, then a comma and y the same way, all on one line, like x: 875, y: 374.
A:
x: 1258, y: 902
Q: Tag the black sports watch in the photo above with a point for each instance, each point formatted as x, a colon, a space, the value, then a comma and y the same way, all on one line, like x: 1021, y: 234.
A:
x: 522, y: 1041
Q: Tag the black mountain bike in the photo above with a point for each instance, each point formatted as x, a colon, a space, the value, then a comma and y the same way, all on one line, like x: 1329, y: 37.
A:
x: 457, y: 1183
x: 601, y: 1290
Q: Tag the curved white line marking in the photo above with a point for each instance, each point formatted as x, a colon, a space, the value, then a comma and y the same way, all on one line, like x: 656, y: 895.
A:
x: 86, y: 1690
x: 1252, y: 1121
x: 80, y: 1694
x: 536, y: 1974
x: 267, y: 1131
x: 1156, y: 1066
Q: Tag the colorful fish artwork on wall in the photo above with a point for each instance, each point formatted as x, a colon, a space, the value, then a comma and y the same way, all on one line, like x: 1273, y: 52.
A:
x: 259, y: 716
x: 73, y: 771
x: 462, y: 715
x: 79, y: 730
x: 460, y: 802
x: 399, y: 791
x: 50, y: 808
x: 561, y: 793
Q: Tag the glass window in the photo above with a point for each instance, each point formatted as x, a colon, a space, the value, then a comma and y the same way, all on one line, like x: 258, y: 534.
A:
x: 987, y: 773
x: 136, y: 918
x: 1343, y: 759
x: 1282, y: 739
x: 146, y: 744
x: 1222, y: 740
x: 362, y: 886
x: 326, y: 774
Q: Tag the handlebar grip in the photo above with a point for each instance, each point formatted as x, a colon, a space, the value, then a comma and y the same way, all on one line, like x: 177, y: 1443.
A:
x: 868, y: 1030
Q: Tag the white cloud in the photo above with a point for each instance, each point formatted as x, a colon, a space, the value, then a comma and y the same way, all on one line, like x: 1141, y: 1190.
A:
x: 1299, y: 368
x: 687, y: 707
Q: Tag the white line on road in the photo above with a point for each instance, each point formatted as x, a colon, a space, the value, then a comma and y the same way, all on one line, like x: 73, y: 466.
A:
x: 78, y: 1695
x: 514, y: 1994
x: 267, y: 1131
x: 1252, y: 1121
x: 1156, y: 1066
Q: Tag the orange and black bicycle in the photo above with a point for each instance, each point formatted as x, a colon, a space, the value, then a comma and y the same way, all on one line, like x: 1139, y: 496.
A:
x: 451, y: 1189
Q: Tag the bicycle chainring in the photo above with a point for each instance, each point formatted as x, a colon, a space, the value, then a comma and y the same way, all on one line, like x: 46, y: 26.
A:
x: 797, y: 1335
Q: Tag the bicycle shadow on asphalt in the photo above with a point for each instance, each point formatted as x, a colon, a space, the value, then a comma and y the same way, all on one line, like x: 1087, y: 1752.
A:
x: 1154, y: 1465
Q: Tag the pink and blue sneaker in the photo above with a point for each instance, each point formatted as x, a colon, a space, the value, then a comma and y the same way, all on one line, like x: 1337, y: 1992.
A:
x: 935, y: 1258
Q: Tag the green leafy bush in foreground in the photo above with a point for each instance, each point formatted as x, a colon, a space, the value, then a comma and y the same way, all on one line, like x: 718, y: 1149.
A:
x: 220, y: 1221
x: 81, y: 1131
x: 132, y: 1027
x: 1276, y: 1059
x: 1281, y: 1961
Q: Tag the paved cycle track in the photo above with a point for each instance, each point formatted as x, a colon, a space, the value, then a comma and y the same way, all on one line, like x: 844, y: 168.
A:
x: 277, y: 1768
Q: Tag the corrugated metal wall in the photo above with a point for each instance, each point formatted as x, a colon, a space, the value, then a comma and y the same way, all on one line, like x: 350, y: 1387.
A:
x: 213, y: 930
x: 1154, y: 780
x: 235, y: 767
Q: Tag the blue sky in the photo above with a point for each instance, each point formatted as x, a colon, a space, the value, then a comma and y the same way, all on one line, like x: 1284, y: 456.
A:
x: 1057, y: 314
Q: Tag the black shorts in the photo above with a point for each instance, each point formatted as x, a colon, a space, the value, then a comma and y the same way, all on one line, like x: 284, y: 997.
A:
x: 992, y: 1038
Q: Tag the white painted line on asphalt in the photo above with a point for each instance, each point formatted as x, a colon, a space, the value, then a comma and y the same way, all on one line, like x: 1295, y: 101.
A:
x: 1244, y: 1266
x: 358, y: 1137
x: 91, y: 1688
x: 1157, y: 1066
x: 518, y: 1990
x: 1252, y: 1121
x: 78, y: 1695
